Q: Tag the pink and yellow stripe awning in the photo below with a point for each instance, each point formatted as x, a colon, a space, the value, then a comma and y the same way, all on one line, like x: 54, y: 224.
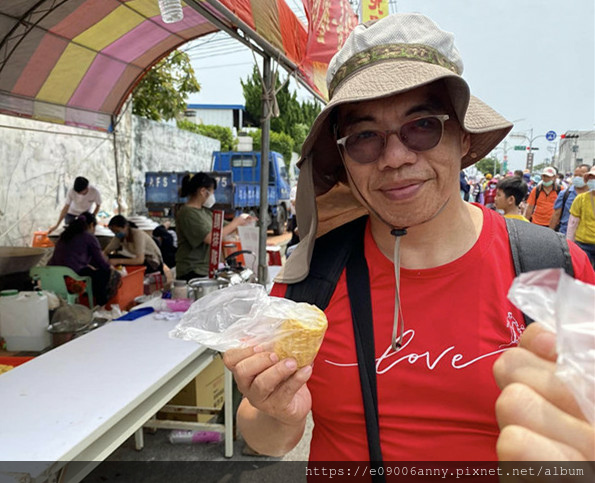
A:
x: 76, y: 61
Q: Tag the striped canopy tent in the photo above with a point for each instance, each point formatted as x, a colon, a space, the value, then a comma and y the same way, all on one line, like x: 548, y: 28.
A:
x: 75, y: 62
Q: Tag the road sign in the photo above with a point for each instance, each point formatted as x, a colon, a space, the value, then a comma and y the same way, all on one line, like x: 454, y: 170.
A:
x: 550, y: 135
x: 520, y: 148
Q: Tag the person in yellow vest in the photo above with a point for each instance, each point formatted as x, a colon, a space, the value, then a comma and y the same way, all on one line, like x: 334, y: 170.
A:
x: 510, y: 192
x: 581, y: 224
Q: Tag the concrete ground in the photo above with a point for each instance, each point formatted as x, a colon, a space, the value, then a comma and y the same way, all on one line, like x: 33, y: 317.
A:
x: 161, y: 461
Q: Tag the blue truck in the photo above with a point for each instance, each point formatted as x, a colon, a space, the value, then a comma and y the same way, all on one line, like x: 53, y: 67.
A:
x: 238, y: 187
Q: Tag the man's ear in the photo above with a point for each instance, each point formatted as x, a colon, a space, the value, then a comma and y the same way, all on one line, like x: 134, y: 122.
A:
x: 511, y: 201
x: 465, y: 143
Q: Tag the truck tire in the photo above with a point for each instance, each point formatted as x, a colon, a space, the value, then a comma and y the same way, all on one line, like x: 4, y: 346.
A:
x: 280, y: 225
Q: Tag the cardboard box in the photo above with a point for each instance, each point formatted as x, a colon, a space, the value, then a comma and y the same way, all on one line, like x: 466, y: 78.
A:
x: 206, y: 390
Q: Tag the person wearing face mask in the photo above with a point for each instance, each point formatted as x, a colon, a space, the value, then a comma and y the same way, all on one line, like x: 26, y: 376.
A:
x: 581, y: 224
x: 194, y: 223
x: 559, y: 221
x: 540, y: 205
x: 132, y: 246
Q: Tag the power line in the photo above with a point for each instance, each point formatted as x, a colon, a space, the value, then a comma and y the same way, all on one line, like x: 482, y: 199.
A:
x: 199, y: 69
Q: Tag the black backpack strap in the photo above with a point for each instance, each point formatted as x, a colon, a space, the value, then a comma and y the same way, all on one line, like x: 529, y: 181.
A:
x: 564, y: 198
x: 358, y: 287
x: 535, y: 247
x: 329, y: 257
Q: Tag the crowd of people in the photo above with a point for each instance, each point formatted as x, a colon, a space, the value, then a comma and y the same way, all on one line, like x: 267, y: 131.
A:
x: 560, y: 201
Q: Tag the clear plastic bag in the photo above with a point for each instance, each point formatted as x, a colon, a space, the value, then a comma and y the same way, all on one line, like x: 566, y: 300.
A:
x: 244, y: 315
x: 567, y: 307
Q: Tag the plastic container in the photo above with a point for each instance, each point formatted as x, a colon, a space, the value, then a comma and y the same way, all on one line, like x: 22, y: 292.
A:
x: 171, y: 10
x: 132, y: 287
x: 180, y: 289
x: 14, y: 361
x: 24, y: 319
x: 41, y: 240
x: 181, y: 436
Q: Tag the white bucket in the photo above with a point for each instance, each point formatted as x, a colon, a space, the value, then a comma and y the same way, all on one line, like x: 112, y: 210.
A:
x: 24, y: 319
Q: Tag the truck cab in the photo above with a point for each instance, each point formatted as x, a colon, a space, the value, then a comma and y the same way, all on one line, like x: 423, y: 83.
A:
x: 238, y: 185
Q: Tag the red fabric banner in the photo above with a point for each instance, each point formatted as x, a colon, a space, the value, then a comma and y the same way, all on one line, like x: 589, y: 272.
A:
x: 215, y: 242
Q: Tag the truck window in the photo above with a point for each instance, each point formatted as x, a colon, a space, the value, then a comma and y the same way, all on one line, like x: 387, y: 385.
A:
x: 271, y: 172
x: 283, y: 171
x: 243, y: 161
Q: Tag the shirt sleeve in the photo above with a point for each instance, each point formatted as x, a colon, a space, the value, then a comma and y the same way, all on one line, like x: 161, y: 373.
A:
x: 559, y: 199
x: 194, y: 227
x: 583, y: 270
x: 575, y: 209
x: 69, y: 197
x: 278, y: 290
x: 139, y: 242
x: 97, y: 258
x: 97, y: 196
x: 531, y: 200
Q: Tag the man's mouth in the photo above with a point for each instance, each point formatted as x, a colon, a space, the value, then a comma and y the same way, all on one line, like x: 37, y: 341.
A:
x: 403, y: 190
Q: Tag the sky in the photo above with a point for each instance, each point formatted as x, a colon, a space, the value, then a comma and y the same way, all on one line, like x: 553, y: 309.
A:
x: 531, y: 60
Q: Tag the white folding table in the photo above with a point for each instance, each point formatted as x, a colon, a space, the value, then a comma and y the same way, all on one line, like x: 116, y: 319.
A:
x: 65, y: 411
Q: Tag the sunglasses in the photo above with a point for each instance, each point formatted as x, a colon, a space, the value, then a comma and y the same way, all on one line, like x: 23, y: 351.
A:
x: 421, y: 134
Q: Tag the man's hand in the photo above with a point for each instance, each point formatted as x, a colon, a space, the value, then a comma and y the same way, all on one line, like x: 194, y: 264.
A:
x: 51, y: 229
x: 538, y: 416
x: 274, y: 387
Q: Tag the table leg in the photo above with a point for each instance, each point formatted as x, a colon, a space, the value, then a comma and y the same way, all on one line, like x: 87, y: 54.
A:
x: 229, y: 426
x: 139, y: 441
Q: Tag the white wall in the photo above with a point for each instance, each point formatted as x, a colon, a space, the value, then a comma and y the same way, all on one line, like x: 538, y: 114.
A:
x: 39, y: 161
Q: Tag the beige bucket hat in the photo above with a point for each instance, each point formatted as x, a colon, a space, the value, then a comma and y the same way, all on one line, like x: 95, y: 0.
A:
x: 396, y: 54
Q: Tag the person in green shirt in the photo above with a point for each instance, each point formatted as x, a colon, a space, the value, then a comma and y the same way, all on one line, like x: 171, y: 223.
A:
x: 194, y: 223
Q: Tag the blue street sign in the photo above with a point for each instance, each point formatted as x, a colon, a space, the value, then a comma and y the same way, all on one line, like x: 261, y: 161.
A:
x: 550, y: 135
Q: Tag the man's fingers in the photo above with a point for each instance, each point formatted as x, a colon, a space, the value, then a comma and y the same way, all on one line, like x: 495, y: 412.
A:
x: 540, y: 341
x: 287, y: 390
x: 232, y: 356
x: 520, y: 405
x: 521, y: 444
x: 522, y: 366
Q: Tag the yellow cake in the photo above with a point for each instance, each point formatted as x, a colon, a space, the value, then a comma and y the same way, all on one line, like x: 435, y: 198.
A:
x: 301, y: 335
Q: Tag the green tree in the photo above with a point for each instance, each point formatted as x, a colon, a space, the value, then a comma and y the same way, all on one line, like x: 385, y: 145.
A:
x: 280, y: 142
x: 163, y: 91
x: 294, y: 119
x: 223, y: 134
x: 486, y: 165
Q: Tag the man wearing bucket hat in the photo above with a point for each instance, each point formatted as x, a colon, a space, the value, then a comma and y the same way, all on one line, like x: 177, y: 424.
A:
x: 380, y: 167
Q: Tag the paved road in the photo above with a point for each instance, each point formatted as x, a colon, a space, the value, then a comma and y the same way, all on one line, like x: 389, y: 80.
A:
x: 162, y: 461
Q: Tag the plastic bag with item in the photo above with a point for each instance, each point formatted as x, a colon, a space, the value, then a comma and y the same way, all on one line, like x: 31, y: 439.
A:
x: 567, y: 307
x: 244, y: 315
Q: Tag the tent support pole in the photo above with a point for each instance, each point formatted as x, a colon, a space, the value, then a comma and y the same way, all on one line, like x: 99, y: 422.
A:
x: 267, y: 105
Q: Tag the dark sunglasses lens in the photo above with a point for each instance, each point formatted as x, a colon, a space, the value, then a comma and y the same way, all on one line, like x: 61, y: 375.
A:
x: 422, y: 134
x: 365, y: 147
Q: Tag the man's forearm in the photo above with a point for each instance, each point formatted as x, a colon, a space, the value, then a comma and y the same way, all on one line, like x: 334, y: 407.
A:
x: 555, y: 219
x: 265, y: 434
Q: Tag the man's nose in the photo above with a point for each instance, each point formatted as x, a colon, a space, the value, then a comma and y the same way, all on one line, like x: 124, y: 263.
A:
x: 395, y: 153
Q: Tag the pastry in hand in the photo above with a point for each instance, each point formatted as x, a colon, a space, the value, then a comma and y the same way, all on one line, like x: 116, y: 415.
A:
x: 301, y: 334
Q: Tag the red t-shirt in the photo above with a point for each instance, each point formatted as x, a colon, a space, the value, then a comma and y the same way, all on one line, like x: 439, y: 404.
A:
x: 436, y: 395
